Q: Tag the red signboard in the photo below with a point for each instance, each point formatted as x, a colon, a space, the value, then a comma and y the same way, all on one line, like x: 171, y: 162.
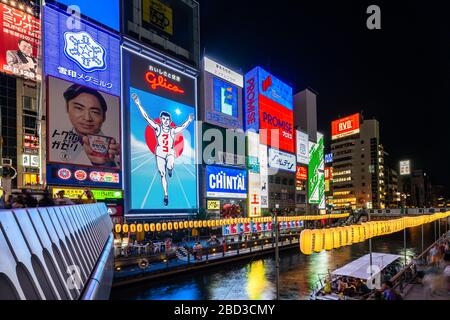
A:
x: 302, y: 173
x: 345, y: 127
x: 276, y: 125
x: 328, y: 173
x: 19, y: 43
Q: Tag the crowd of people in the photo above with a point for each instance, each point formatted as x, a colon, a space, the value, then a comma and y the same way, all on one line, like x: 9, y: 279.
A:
x: 27, y: 200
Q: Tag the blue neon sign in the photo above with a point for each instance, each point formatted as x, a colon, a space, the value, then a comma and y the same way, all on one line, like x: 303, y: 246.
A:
x: 329, y: 158
x: 222, y: 182
x: 87, y: 56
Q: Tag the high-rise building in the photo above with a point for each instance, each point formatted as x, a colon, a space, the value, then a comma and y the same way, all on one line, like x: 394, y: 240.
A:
x: 393, y: 198
x: 358, y: 164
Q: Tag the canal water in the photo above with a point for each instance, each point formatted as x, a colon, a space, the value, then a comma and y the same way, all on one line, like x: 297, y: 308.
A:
x: 255, y: 280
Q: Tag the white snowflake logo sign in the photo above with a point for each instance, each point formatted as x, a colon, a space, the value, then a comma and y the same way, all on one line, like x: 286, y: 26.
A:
x: 81, y: 48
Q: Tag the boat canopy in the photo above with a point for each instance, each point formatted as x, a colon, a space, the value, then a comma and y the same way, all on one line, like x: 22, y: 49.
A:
x: 360, y: 268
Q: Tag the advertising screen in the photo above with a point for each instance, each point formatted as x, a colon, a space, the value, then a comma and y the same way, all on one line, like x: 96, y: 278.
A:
x: 19, y: 43
x: 252, y: 158
x: 276, y: 125
x: 107, y: 12
x: 168, y: 25
x: 345, y: 127
x: 223, y: 182
x: 264, y: 175
x: 302, y: 173
x: 282, y: 160
x: 161, y: 109
x: 405, y: 168
x: 225, y: 98
x: 68, y: 175
x: 254, y: 196
x: 72, y: 193
x: 268, y: 105
x: 316, y: 178
x: 302, y: 147
x: 329, y: 158
x: 83, y: 126
x: 328, y: 173
x: 88, y: 56
x: 321, y: 150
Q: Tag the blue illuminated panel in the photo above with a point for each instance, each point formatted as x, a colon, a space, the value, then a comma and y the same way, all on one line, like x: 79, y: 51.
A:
x: 88, y: 56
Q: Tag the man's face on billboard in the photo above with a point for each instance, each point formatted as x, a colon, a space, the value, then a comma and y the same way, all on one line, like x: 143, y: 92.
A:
x: 165, y: 120
x: 86, y: 114
x: 26, y: 48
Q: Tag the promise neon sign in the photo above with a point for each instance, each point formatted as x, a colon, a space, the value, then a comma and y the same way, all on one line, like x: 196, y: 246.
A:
x: 156, y: 82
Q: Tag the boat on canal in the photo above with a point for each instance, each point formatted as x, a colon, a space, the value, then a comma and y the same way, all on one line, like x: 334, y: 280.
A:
x: 369, y: 275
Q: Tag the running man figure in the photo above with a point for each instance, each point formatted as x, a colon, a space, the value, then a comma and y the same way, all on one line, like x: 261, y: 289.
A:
x: 165, y: 137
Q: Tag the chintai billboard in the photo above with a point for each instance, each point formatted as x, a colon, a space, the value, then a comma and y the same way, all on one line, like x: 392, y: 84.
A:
x: 160, y: 109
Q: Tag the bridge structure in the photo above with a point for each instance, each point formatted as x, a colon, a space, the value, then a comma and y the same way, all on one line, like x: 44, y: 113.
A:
x: 56, y: 253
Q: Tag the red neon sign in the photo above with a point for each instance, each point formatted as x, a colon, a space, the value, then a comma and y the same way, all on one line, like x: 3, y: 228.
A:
x: 161, y: 81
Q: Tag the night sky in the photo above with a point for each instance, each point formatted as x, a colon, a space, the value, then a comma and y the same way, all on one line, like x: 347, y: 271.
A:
x: 399, y: 75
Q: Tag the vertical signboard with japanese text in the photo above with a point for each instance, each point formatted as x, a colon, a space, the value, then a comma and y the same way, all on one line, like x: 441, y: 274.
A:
x: 264, y: 175
x: 302, y: 147
x: 19, y: 43
x: 316, y: 178
x: 161, y: 108
x: 254, y: 195
x: 252, y: 154
x: 269, y: 109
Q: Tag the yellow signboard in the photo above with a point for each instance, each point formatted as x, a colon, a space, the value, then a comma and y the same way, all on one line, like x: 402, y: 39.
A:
x: 158, y: 14
x: 213, y: 205
x: 98, y: 194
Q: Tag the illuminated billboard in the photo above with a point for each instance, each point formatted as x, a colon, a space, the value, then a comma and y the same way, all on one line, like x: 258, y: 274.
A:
x: 83, y: 126
x: 160, y: 162
x: 321, y: 150
x: 329, y: 173
x: 222, y: 96
x: 106, y: 12
x: 302, y: 147
x: 254, y: 196
x: 83, y: 136
x: 302, y: 173
x: 316, y: 177
x: 269, y: 109
x: 264, y: 175
x: 405, y: 168
x: 252, y: 153
x: 282, y: 160
x: 69, y: 175
x: 88, y: 56
x: 329, y: 158
x: 345, y: 127
x: 223, y: 182
x: 19, y: 43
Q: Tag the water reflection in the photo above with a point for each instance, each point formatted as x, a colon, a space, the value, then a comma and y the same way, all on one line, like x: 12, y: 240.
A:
x: 255, y: 280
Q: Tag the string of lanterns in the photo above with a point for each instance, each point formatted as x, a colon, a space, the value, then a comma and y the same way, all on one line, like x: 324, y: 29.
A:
x: 319, y: 240
x: 194, y: 224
